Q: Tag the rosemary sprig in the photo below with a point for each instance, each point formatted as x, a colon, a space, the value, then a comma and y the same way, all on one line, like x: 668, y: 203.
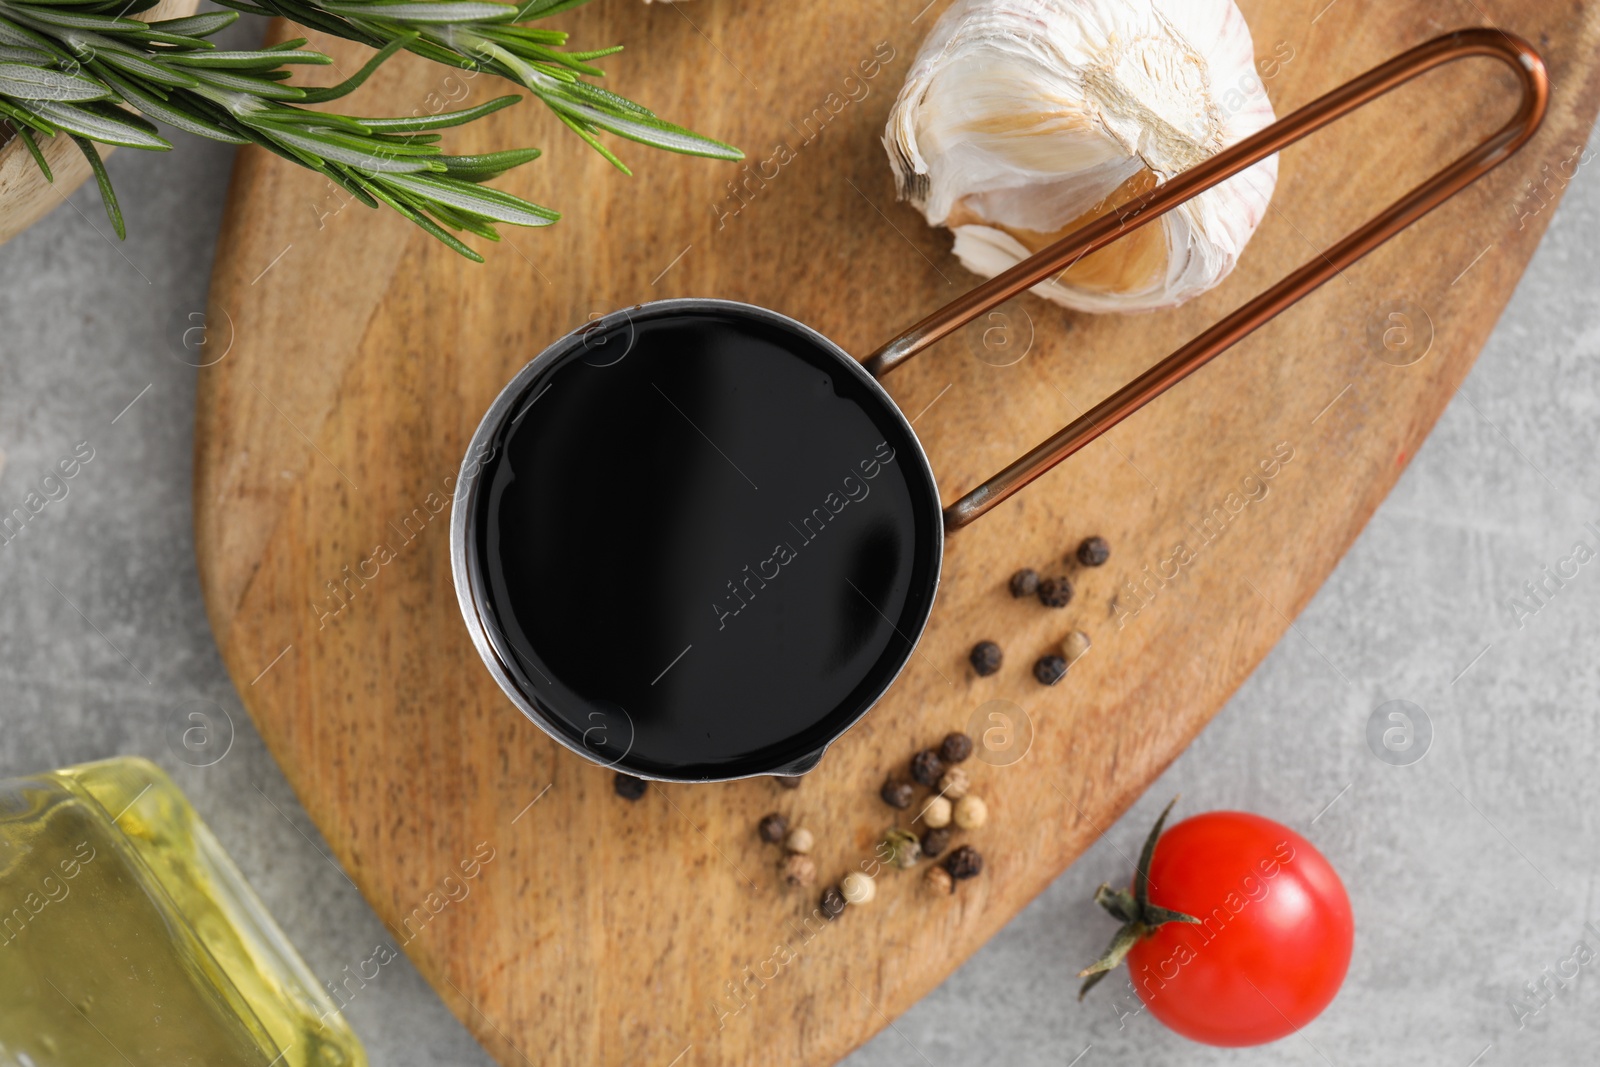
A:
x: 82, y: 68
x: 72, y: 67
x: 479, y: 35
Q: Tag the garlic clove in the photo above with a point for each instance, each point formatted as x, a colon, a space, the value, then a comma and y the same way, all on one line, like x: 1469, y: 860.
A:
x: 1022, y: 119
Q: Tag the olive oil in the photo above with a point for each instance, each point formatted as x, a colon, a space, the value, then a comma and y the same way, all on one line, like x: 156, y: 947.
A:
x: 127, y: 936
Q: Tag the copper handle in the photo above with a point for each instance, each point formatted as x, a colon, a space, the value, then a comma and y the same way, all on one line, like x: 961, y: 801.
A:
x: 1118, y: 221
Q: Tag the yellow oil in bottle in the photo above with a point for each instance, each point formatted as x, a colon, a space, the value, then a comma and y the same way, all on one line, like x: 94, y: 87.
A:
x: 128, y: 937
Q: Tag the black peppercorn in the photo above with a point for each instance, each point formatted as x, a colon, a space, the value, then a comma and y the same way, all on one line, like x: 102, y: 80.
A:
x: 896, y: 794
x: 833, y: 903
x: 986, y: 657
x: 787, y: 781
x: 628, y: 787
x: 1025, y: 582
x: 1050, y: 669
x: 773, y: 829
x: 1093, y: 551
x: 964, y: 862
x: 927, y: 767
x: 1055, y: 592
x: 935, y: 841
x: 955, y: 747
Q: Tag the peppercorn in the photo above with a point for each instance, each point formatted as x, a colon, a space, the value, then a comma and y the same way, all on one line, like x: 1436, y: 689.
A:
x: 833, y: 903
x: 1050, y: 669
x: 773, y: 828
x: 1074, y: 645
x: 954, y: 784
x: 937, y: 813
x: 935, y: 841
x: 787, y: 781
x: 938, y: 882
x: 858, y: 887
x: 1024, y: 583
x: 926, y: 767
x: 896, y: 794
x: 964, y: 862
x: 985, y: 657
x: 902, y: 848
x: 955, y: 747
x: 971, y: 812
x: 628, y: 787
x: 1055, y: 592
x: 799, y: 840
x: 798, y: 870
x: 1094, y: 551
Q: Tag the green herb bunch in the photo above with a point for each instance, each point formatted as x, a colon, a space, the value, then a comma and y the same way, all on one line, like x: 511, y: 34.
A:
x: 83, y: 69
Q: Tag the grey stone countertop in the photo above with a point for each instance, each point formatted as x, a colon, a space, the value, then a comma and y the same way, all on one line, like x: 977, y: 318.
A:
x: 1472, y: 872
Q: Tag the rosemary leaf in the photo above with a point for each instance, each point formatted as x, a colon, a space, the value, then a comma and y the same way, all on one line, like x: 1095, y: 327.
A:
x: 31, y: 56
x: 33, y: 150
x: 450, y: 11
x: 42, y: 83
x: 350, y: 84
x: 108, y: 195
x: 240, y: 83
x: 584, y: 130
x: 247, y: 61
x: 490, y: 203
x: 491, y: 165
x: 97, y: 23
x: 442, y: 120
x: 142, y: 68
x: 96, y: 126
x: 197, y: 26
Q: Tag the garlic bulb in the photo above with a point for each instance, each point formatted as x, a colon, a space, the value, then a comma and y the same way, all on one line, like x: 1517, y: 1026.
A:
x: 1022, y: 119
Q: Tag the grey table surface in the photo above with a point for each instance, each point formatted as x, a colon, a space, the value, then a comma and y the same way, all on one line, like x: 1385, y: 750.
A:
x: 1472, y: 872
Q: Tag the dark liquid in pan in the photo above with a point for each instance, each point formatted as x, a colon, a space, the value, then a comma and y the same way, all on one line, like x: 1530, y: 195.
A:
x: 701, y: 545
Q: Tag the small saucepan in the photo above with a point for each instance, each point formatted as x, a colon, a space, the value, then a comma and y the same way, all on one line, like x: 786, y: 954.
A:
x: 696, y: 540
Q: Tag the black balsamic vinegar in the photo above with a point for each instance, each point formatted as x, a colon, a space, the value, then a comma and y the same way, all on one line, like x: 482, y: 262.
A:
x: 702, y: 543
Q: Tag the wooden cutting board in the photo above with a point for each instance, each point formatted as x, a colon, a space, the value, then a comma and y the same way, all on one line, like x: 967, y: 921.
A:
x: 359, y: 355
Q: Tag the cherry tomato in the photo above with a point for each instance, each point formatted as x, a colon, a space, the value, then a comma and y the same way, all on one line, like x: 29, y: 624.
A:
x: 1274, y: 937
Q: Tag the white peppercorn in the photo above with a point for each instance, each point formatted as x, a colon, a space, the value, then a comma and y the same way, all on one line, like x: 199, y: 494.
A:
x: 971, y: 812
x: 954, y: 784
x: 799, y: 840
x: 858, y: 887
x: 937, y: 813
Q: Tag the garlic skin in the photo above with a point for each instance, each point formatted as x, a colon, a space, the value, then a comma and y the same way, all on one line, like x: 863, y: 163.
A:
x: 1020, y: 120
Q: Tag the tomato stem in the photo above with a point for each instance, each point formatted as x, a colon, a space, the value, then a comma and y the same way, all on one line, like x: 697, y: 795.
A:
x: 1138, y: 916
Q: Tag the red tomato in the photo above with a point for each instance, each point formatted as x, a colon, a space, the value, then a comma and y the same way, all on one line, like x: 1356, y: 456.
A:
x: 1275, y: 935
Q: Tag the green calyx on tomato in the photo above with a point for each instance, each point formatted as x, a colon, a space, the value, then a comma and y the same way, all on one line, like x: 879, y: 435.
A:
x: 1138, y: 916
